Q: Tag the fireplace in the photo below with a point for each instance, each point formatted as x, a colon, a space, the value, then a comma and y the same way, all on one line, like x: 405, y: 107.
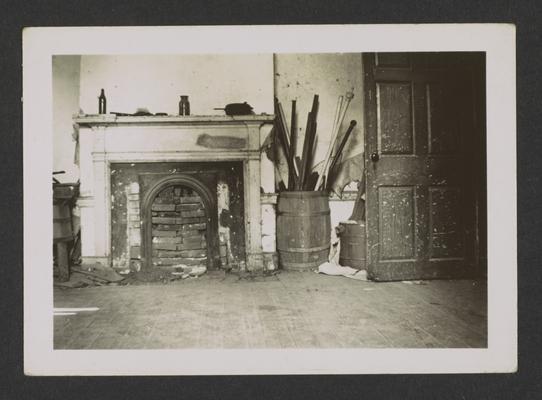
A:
x: 180, y: 224
x: 161, y: 191
x: 170, y: 213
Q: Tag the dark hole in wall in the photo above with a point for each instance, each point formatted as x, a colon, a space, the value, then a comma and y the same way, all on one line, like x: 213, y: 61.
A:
x: 125, y: 175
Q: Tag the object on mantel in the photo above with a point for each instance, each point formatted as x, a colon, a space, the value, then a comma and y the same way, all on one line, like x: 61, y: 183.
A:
x: 102, y: 103
x: 184, y: 105
x: 237, y: 109
x: 114, y: 116
x: 141, y: 112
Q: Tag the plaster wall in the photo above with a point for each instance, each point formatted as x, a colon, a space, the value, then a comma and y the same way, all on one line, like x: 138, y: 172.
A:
x: 301, y: 76
x: 156, y: 82
x: 66, y: 77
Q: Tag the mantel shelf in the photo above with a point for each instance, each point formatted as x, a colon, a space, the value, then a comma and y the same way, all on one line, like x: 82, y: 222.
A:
x: 112, y: 119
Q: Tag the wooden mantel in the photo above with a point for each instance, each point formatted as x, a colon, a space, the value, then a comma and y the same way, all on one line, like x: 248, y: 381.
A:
x: 106, y: 139
x: 112, y: 119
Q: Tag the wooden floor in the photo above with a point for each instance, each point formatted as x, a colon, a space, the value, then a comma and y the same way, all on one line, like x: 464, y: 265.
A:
x: 289, y: 310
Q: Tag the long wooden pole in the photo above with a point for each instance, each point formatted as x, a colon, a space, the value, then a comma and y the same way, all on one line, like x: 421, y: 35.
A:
x: 332, y: 138
x: 293, y: 131
x: 283, y: 139
x: 306, y: 141
x: 310, y: 132
x: 338, y: 153
x: 310, y: 154
x: 348, y: 97
x: 293, y: 146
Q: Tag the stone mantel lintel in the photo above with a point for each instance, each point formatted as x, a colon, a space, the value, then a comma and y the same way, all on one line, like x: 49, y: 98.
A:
x: 191, y: 120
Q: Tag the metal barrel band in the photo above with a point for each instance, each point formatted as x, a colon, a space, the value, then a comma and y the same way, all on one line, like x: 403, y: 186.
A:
x: 303, y: 250
x: 310, y: 214
x: 301, y: 265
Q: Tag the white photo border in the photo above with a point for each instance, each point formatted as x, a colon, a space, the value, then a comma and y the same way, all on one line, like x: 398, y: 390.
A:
x: 496, y: 40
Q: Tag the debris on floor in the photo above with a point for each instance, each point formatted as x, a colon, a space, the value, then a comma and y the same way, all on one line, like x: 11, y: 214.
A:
x: 415, y: 282
x: 78, y: 280
x: 85, y: 276
x: 329, y: 268
x: 91, y: 275
x: 165, y: 274
x: 57, y: 312
x: 255, y: 276
x: 97, y: 271
x: 186, y: 271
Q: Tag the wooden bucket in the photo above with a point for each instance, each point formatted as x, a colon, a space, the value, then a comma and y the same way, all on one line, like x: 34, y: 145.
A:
x: 353, y: 243
x: 62, y: 229
x: 303, y: 229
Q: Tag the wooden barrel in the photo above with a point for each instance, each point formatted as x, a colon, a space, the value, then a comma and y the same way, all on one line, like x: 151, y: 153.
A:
x: 303, y: 229
x: 62, y: 229
x: 353, y: 243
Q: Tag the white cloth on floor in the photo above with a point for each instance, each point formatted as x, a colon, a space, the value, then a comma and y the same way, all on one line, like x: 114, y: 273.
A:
x: 329, y: 268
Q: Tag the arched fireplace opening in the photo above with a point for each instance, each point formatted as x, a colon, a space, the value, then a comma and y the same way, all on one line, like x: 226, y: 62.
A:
x: 179, y: 224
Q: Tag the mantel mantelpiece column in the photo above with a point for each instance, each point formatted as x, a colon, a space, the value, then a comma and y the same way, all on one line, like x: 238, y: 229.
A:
x: 253, y: 211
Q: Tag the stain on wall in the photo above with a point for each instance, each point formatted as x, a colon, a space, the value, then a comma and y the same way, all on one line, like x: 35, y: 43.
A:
x: 220, y: 142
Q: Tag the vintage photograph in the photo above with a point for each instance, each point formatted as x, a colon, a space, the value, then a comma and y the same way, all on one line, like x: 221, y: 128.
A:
x: 269, y: 201
x: 199, y: 201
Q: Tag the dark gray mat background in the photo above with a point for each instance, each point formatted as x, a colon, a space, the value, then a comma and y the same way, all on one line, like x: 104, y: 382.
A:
x: 526, y: 384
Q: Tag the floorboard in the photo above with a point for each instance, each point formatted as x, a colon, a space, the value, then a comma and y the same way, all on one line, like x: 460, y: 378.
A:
x: 289, y: 310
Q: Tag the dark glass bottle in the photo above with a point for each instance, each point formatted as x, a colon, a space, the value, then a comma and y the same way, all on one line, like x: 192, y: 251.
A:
x: 102, y: 103
x: 184, y: 106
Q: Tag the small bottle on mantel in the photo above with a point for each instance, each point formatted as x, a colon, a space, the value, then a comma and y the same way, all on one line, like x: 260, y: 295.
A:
x: 184, y: 106
x: 102, y: 103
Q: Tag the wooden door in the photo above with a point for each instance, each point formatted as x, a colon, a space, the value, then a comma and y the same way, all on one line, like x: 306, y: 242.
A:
x: 423, y: 163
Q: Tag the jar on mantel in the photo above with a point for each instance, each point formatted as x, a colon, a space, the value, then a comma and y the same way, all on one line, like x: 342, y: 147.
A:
x: 184, y: 106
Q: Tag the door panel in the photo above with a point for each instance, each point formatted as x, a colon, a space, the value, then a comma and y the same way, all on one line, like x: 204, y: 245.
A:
x: 392, y: 60
x: 443, y: 120
x: 396, y: 209
x: 446, y: 229
x: 420, y: 199
x: 394, y: 118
